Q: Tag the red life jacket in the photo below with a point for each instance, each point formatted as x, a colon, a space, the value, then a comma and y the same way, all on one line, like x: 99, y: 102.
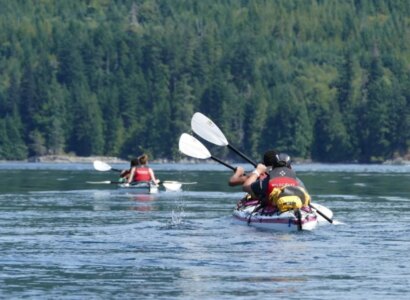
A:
x: 142, y: 174
x: 280, y: 177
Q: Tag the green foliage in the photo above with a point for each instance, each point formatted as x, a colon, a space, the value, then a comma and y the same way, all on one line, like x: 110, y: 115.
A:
x: 326, y: 80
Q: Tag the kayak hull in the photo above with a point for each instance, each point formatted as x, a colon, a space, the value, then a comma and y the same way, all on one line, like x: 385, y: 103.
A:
x: 276, y: 221
x: 139, y: 187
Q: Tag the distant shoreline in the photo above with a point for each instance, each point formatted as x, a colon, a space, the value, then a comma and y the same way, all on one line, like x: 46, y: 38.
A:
x: 57, y: 159
x: 116, y: 160
x: 67, y: 159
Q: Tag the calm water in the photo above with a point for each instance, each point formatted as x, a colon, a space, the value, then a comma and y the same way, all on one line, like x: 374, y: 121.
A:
x: 61, y: 238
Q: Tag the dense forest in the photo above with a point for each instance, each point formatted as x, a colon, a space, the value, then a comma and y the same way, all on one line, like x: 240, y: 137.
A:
x: 326, y: 80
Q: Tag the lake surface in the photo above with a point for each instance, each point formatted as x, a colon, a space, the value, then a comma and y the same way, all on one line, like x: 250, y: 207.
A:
x: 62, y: 238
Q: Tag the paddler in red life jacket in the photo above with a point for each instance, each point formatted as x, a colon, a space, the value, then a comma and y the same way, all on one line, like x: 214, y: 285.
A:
x: 141, y: 171
x: 280, y: 174
x: 238, y: 178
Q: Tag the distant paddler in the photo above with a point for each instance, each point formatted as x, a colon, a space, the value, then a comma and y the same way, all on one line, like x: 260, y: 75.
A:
x: 140, y: 171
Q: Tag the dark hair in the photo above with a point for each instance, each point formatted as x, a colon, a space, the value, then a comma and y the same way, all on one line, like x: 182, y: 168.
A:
x: 269, y: 158
x: 134, y: 162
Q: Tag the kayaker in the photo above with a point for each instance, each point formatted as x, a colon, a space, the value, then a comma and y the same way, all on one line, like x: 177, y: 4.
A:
x: 141, y: 171
x: 239, y: 177
x: 280, y: 174
x: 125, y: 174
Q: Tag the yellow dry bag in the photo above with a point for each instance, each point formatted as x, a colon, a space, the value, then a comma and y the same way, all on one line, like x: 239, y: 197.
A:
x: 289, y: 198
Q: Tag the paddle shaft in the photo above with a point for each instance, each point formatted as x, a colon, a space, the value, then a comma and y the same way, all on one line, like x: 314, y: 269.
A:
x: 322, y: 214
x: 177, y: 182
x: 223, y: 163
x: 242, y: 155
x: 104, y: 182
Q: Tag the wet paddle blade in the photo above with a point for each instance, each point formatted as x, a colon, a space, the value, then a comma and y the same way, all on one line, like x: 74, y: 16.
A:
x: 172, y: 186
x: 324, y: 213
x: 207, y: 129
x: 101, y: 166
x: 190, y: 146
x: 178, y: 182
x: 101, y: 182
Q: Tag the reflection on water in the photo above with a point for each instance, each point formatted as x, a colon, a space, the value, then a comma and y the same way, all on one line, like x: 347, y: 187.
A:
x: 142, y: 202
x: 66, y: 239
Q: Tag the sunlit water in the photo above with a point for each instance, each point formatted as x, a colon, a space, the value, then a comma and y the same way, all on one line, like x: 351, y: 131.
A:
x: 62, y: 238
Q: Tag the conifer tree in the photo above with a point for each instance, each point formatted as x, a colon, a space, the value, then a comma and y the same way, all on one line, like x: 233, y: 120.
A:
x: 373, y: 125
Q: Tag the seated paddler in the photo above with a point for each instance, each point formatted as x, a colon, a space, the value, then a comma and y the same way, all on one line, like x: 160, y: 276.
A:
x: 280, y: 189
x: 141, y: 172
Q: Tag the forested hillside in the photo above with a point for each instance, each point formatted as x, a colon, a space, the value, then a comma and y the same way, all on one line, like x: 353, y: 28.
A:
x: 327, y: 80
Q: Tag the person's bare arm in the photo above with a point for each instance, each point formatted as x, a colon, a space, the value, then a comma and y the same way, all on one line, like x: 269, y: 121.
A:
x: 238, y: 177
x: 131, y: 175
x: 151, y: 172
x: 252, y: 177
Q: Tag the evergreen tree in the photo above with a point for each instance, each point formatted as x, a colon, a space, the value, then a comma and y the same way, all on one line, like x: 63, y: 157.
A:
x: 347, y: 107
x: 331, y: 140
x: 114, y: 127
x: 37, y: 144
x: 182, y: 109
x: 56, y: 118
x: 287, y: 127
x: 28, y: 97
x: 15, y: 137
x: 87, y: 134
x: 256, y: 114
x: 374, y: 125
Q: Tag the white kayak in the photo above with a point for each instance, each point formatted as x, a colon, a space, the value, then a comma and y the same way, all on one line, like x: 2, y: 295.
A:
x: 143, y: 187
x: 302, y: 219
x: 150, y: 187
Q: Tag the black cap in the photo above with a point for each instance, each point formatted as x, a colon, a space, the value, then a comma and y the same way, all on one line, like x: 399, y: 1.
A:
x: 269, y: 158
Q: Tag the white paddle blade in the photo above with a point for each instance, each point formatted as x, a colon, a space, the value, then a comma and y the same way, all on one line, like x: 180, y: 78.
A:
x: 99, y: 182
x: 170, y: 181
x: 190, y: 146
x: 101, y: 166
x: 206, y: 129
x: 324, y: 210
x: 172, y: 186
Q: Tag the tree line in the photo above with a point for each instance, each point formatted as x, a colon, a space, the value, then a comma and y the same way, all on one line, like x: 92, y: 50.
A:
x: 326, y: 80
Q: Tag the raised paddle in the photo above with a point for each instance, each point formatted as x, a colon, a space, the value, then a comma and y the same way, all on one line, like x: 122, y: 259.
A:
x: 206, y: 129
x: 190, y: 146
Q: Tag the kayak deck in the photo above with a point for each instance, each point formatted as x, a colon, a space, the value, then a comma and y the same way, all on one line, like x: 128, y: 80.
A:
x: 143, y: 187
x: 266, y: 218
